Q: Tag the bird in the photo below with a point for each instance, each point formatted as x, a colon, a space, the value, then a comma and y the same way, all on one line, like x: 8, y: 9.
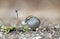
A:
x: 33, y: 22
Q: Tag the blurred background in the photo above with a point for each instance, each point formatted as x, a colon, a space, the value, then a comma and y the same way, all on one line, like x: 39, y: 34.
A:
x: 49, y: 9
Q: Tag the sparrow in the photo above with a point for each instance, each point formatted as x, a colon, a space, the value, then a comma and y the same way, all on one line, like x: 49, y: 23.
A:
x: 32, y: 22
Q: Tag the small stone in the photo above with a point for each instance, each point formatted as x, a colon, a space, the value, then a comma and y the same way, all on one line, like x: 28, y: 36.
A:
x: 37, y: 29
x: 1, y: 34
x: 37, y: 37
x: 57, y: 26
x: 50, y: 36
x: 23, y: 23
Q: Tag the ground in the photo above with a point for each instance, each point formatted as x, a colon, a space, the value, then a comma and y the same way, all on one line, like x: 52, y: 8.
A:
x: 46, y: 30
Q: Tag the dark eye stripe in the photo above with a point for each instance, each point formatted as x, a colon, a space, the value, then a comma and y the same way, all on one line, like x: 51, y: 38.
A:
x: 28, y: 18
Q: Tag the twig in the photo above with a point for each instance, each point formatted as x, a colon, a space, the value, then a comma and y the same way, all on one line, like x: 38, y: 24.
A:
x: 17, y: 17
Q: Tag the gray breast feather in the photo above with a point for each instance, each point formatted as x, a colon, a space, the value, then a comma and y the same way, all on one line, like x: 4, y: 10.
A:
x: 33, y: 22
